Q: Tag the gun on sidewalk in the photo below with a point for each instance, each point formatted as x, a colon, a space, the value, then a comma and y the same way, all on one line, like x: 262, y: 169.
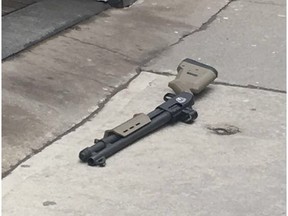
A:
x: 192, y: 78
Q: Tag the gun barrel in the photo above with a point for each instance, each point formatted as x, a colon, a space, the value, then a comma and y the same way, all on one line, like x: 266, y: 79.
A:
x: 99, y: 158
x: 176, y: 108
x: 101, y: 144
x: 192, y: 78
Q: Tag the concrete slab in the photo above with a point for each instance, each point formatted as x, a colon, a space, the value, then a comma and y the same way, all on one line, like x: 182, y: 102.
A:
x: 175, y: 171
x: 246, y: 42
x: 49, y: 90
x: 39, y: 21
x: 146, y: 27
x: 51, y: 87
x: 268, y: 2
x: 9, y: 6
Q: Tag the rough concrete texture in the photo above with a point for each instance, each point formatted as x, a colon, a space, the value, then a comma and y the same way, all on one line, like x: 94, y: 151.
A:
x: 46, y: 92
x: 246, y: 42
x: 34, y: 23
x: 146, y: 27
x: 51, y: 87
x: 180, y: 170
x: 9, y: 6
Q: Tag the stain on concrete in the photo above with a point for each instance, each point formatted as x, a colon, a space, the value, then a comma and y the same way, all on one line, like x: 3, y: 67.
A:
x: 48, y: 203
x: 223, y: 129
x: 50, y: 78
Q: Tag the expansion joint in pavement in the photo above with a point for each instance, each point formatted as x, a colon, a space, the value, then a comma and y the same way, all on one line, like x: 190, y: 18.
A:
x: 266, y: 3
x: 249, y: 86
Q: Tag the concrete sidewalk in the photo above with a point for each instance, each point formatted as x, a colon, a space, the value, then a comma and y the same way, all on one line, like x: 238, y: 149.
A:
x: 179, y: 170
x: 52, y: 88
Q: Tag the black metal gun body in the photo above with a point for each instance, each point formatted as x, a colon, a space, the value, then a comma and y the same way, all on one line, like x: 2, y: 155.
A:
x: 176, y: 108
x: 192, y: 77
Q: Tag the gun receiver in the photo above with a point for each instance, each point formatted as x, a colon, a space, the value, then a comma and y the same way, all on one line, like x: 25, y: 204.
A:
x: 192, y: 76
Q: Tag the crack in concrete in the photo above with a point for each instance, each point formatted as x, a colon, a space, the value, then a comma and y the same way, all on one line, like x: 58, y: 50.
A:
x: 248, y: 86
x: 206, y: 24
x: 127, y: 58
x: 100, y: 106
x: 115, y: 90
x: 203, y: 27
x: 138, y: 70
x: 265, y: 3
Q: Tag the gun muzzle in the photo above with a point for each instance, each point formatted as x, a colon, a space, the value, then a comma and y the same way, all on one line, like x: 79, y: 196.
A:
x: 97, y: 160
x: 86, y: 153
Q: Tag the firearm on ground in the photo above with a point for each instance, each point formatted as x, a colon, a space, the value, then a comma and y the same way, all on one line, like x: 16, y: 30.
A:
x: 191, y: 79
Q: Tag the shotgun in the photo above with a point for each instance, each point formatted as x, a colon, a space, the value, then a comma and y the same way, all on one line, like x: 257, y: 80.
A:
x: 191, y: 79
